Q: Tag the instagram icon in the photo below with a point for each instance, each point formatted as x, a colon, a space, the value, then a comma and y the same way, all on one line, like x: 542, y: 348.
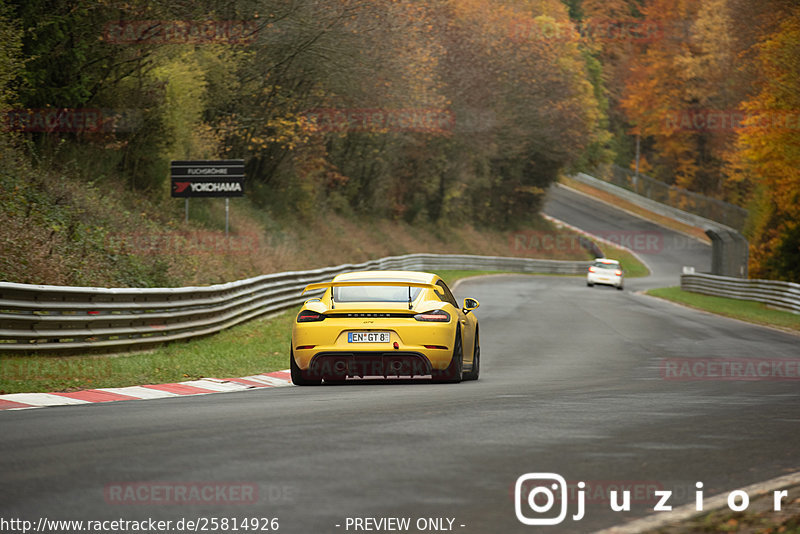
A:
x: 540, y: 493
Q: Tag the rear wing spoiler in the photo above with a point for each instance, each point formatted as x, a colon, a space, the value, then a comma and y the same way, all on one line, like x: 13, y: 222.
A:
x: 326, y: 285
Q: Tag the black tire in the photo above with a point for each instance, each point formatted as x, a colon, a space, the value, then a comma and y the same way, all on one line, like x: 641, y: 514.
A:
x: 619, y: 288
x: 589, y: 284
x: 476, y: 360
x: 453, y: 373
x: 300, y: 378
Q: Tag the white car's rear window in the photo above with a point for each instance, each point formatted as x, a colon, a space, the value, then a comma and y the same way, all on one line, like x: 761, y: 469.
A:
x: 603, y: 265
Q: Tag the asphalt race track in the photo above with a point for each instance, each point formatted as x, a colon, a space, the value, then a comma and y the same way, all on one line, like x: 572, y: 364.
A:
x: 571, y: 383
x: 665, y: 252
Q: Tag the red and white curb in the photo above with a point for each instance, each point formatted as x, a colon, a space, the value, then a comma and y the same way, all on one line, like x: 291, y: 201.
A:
x: 204, y: 386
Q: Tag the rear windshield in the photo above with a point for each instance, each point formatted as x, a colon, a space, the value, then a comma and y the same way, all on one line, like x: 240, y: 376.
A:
x: 374, y: 293
x: 601, y: 265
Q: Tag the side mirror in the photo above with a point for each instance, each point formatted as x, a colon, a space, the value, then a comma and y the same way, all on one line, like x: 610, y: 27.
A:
x: 470, y: 304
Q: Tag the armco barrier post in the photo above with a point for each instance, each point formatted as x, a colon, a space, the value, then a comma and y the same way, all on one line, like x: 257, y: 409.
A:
x: 740, y: 255
x: 729, y: 253
x: 717, y: 251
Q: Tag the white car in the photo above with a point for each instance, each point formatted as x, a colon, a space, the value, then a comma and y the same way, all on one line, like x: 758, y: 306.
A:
x: 605, y: 271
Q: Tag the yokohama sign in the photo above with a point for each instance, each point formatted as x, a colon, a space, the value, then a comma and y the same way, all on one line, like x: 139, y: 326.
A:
x: 224, y: 178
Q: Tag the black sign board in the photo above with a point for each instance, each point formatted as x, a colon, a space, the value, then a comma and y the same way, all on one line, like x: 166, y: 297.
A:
x: 221, y: 178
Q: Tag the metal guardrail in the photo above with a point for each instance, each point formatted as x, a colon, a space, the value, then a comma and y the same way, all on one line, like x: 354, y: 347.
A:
x: 777, y: 294
x: 37, y: 318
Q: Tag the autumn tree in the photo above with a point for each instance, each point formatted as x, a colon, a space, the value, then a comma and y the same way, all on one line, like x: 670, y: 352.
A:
x: 11, y: 60
x: 655, y: 94
x: 525, y: 95
x: 767, y: 155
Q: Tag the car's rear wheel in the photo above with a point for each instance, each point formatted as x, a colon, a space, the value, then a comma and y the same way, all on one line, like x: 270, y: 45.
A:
x: 476, y: 360
x: 455, y: 370
x: 300, y: 377
x: 589, y: 284
x: 619, y: 287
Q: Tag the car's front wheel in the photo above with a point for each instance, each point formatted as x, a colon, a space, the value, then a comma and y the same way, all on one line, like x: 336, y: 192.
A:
x: 455, y: 370
x: 299, y: 377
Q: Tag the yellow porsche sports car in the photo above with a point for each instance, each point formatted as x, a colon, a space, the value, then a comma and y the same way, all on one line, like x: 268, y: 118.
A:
x: 384, y: 324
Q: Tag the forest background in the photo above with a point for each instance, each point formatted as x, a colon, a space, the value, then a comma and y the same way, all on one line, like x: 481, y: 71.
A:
x: 373, y: 127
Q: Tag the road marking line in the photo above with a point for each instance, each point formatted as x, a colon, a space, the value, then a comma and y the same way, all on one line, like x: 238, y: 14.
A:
x: 774, y: 328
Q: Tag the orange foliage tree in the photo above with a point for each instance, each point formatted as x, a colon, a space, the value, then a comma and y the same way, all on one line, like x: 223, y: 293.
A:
x: 767, y: 153
x: 655, y: 93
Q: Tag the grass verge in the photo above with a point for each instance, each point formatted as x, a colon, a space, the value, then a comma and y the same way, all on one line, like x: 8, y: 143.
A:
x: 633, y: 208
x: 255, y: 347
x: 259, y: 346
x: 759, y: 518
x: 632, y: 266
x: 745, y: 310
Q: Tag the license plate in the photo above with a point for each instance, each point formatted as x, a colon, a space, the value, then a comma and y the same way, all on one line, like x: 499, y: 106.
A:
x: 368, y: 337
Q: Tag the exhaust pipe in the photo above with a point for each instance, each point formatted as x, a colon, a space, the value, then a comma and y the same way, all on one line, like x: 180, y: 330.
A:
x: 340, y: 367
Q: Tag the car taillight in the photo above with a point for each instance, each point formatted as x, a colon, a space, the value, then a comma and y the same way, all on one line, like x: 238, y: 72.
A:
x: 437, y: 316
x: 591, y: 269
x: 308, y: 316
x: 618, y: 272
